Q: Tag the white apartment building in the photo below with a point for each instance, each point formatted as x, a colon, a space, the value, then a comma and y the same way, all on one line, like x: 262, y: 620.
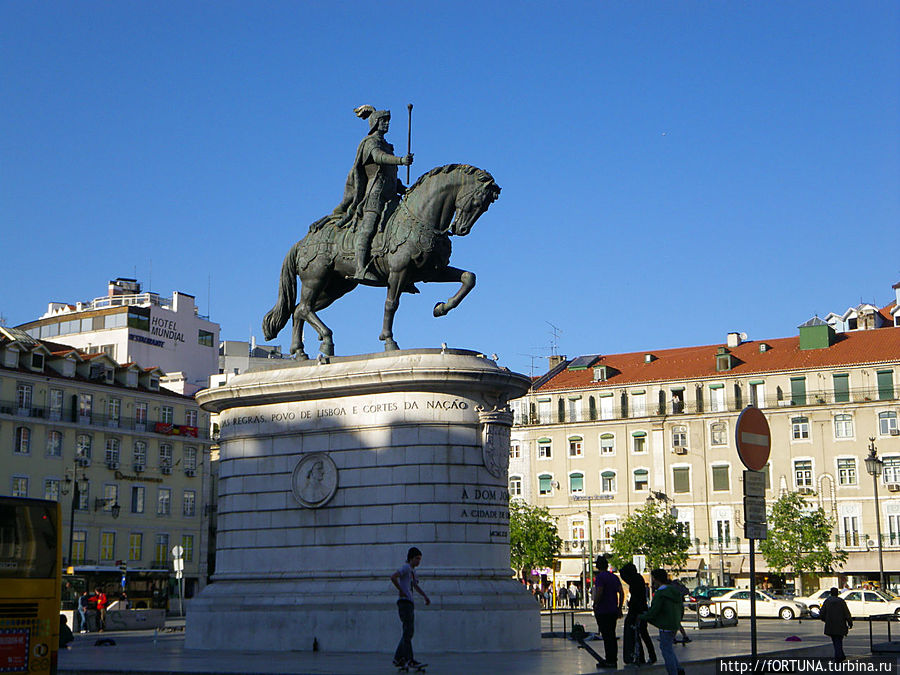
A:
x: 132, y: 326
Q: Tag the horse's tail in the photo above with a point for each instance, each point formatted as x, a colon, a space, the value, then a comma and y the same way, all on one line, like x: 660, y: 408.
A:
x: 278, y: 316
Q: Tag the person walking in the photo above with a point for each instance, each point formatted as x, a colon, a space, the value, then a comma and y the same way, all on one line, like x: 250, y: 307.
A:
x: 84, y: 604
x: 666, y: 610
x: 838, y: 622
x: 405, y: 580
x: 635, y: 631
x: 608, y: 598
x: 101, y: 609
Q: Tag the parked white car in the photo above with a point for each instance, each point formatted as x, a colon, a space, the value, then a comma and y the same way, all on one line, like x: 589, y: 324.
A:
x: 864, y: 603
x: 814, y: 601
x: 766, y: 605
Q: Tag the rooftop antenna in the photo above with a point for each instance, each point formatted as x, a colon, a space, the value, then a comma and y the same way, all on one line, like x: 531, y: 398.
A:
x: 150, y: 279
x: 532, y: 357
x: 208, y: 294
x: 554, y: 338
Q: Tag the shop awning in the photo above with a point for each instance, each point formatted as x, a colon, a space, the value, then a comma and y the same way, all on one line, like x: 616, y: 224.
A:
x: 570, y: 569
x: 695, y: 565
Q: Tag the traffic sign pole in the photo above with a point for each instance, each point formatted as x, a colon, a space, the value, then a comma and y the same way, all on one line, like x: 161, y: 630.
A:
x: 753, y: 439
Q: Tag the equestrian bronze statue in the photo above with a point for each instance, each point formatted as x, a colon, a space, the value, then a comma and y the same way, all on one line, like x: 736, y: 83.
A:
x: 381, y: 235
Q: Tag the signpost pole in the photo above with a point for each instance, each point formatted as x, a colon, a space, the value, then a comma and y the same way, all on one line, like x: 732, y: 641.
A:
x: 753, y: 597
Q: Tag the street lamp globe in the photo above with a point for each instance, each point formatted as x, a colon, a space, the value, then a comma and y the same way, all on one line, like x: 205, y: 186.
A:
x: 874, y: 464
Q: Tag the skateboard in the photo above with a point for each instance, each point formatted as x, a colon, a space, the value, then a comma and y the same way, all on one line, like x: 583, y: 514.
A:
x: 418, y: 669
x: 601, y: 663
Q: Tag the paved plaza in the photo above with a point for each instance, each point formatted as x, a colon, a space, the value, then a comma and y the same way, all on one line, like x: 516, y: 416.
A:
x: 144, y: 652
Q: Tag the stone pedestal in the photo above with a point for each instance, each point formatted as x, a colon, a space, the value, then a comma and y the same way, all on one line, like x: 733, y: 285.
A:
x: 329, y: 472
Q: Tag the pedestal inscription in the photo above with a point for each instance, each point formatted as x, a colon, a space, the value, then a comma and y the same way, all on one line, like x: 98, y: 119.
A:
x: 329, y: 472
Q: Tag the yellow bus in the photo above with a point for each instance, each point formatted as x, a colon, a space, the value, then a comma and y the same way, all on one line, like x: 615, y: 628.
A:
x: 30, y: 577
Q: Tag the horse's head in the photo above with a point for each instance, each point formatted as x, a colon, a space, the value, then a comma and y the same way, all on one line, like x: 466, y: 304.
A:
x: 472, y: 200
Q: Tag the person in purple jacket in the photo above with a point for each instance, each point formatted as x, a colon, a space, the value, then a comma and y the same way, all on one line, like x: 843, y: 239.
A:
x: 608, y: 599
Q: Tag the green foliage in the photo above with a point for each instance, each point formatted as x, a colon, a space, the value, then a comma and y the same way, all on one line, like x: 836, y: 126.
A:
x: 798, y: 538
x: 533, y: 540
x: 654, y: 532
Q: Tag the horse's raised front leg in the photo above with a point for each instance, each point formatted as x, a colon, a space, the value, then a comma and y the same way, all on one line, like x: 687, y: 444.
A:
x: 466, y: 280
x: 297, y: 336
x: 396, y: 281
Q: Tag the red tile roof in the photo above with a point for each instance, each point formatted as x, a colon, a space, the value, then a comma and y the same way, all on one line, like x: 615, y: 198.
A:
x: 686, y: 363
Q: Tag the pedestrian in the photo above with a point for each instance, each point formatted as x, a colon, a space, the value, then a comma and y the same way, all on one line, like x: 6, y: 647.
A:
x: 84, y: 603
x: 608, y: 598
x: 684, y: 592
x: 573, y: 596
x: 838, y: 622
x: 65, y: 634
x: 101, y: 608
x: 666, y: 610
x: 406, y: 582
x: 635, y: 629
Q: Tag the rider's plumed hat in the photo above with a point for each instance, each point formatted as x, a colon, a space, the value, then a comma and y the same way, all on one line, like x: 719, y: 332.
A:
x: 369, y: 112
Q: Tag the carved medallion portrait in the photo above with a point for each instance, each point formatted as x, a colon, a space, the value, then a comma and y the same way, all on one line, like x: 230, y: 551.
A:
x: 315, y: 480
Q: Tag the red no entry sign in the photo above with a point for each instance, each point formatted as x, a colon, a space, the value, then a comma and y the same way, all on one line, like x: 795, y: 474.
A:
x: 753, y: 438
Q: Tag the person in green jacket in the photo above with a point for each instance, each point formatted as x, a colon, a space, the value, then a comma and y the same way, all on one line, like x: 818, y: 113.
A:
x: 666, y: 610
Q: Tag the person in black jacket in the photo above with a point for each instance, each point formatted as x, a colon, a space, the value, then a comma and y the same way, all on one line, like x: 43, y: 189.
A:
x: 635, y: 629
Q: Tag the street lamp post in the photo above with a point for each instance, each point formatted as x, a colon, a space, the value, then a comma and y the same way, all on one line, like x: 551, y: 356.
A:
x: 75, y: 481
x: 875, y: 465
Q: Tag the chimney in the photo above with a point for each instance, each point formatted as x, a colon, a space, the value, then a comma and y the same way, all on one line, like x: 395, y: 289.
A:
x: 732, y: 340
x: 555, y: 359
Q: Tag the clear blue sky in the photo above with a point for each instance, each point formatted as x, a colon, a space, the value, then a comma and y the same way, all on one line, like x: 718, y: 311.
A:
x: 671, y: 171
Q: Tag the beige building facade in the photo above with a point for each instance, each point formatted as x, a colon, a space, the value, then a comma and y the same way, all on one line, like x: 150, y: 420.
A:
x: 599, y: 435
x: 139, y: 453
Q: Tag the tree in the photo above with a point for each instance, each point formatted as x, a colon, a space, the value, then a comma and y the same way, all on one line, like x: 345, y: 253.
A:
x: 533, y: 540
x: 798, y: 536
x: 654, y: 532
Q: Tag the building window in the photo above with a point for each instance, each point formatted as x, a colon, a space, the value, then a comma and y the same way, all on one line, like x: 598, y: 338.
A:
x: 841, y: 384
x: 677, y: 401
x: 107, y: 545
x: 79, y: 544
x: 85, y: 407
x: 893, y: 529
x: 56, y: 404
x: 187, y: 545
x: 639, y: 442
x: 720, y: 478
x: 140, y: 453
x: 54, y: 443
x: 679, y: 437
x: 85, y: 497
x: 113, y: 411
x: 110, y: 496
x: 799, y: 428
x: 23, y: 440
x: 165, y: 455
x: 641, y: 479
x: 681, y: 479
x: 638, y: 404
x: 851, y: 530
x: 846, y: 468
x: 23, y: 398
x: 575, y: 409
x: 885, y: 385
x: 545, y: 484
x: 515, y: 451
x: 607, y: 444
x: 891, y: 469
x: 723, y: 532
x: 543, y: 411
x: 576, y: 483
x: 51, y: 489
x: 112, y: 452
x: 608, y: 481
x: 606, y: 407
x: 803, y: 475
x: 843, y: 426
x: 163, y: 501
x: 515, y: 486
x: 19, y: 486
x: 718, y: 433
x: 190, y: 418
x: 83, y: 448
x: 139, y: 321
x: 140, y: 416
x: 189, y: 504
x: 162, y: 549
x: 758, y: 394
x: 887, y: 423
x: 190, y: 458
x: 576, y: 448
x: 205, y: 338
x: 717, y: 398
x: 578, y: 531
x: 135, y: 546
x: 544, y: 450
x: 137, y: 499
x: 166, y: 414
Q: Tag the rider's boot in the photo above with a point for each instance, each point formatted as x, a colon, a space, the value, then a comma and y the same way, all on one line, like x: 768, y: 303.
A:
x: 364, y: 233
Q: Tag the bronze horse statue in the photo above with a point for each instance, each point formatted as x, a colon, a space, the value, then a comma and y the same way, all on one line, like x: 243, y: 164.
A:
x: 413, y: 245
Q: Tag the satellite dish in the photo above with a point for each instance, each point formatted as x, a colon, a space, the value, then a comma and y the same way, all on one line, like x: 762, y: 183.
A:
x: 743, y: 337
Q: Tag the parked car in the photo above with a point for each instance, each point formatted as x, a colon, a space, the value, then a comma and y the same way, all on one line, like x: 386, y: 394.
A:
x: 699, y: 598
x: 863, y: 603
x: 813, y: 601
x: 766, y: 605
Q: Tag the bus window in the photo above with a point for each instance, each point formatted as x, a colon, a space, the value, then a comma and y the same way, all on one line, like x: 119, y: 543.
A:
x: 30, y: 579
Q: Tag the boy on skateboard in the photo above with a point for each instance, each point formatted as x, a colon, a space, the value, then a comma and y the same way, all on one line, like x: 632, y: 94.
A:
x: 406, y: 581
